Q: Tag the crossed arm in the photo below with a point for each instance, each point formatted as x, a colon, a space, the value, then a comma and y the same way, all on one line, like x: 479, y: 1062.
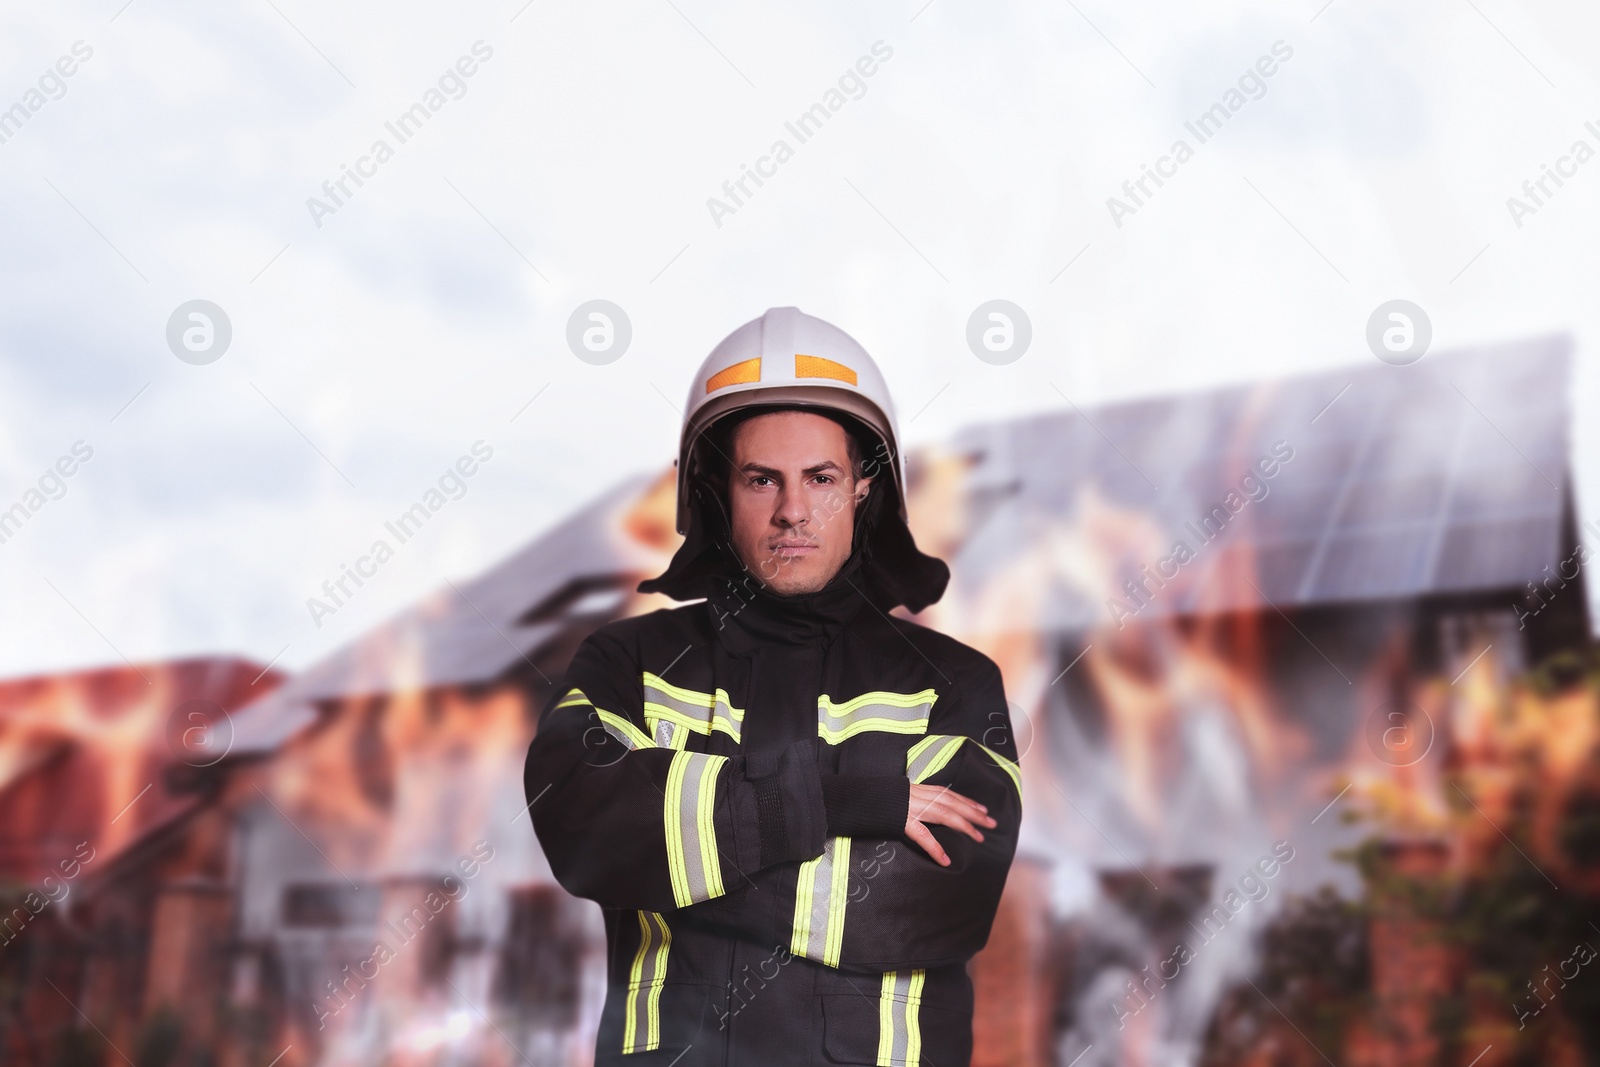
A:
x: 632, y: 825
x: 939, y: 805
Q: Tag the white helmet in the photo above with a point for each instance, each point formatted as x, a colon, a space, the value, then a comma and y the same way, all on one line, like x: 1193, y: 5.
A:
x: 788, y: 357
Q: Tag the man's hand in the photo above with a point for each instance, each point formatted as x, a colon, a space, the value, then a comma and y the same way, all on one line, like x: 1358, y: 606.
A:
x: 939, y: 805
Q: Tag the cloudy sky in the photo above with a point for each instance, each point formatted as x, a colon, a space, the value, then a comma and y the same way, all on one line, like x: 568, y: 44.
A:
x: 378, y: 335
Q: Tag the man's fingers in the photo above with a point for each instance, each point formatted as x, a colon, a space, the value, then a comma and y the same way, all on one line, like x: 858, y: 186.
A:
x: 955, y: 821
x: 921, y: 808
x: 968, y: 809
x: 951, y: 800
x: 924, y: 837
x: 943, y: 806
x: 924, y: 798
x: 945, y: 814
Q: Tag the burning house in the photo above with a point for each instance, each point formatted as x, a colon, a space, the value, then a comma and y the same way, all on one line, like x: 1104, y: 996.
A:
x: 1226, y: 622
x: 111, y: 863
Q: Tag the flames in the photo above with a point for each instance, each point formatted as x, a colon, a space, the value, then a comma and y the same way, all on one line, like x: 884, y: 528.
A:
x: 110, y: 727
x: 411, y: 774
x: 1453, y: 754
x: 1147, y: 673
x: 401, y: 782
x: 1426, y: 749
x: 1477, y: 756
x: 394, y: 781
x: 399, y: 785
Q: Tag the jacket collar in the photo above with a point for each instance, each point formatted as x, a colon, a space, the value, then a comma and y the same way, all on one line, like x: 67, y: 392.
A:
x: 748, y: 614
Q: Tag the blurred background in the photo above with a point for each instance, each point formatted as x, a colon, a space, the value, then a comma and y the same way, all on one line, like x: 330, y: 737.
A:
x: 1244, y: 360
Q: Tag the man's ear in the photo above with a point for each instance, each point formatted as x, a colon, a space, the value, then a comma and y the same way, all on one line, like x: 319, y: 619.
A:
x: 863, y: 487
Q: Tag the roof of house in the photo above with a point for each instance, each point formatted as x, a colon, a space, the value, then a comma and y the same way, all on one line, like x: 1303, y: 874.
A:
x: 1448, y: 475
x: 105, y: 756
x: 471, y: 631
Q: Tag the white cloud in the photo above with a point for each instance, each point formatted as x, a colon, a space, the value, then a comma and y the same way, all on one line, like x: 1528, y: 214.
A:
x: 410, y: 324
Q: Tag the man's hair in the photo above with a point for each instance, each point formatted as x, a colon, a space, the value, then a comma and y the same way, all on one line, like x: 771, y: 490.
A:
x: 716, y: 445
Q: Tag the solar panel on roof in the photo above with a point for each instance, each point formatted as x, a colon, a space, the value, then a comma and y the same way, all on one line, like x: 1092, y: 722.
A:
x: 1504, y: 553
x: 1365, y: 565
x: 1403, y: 481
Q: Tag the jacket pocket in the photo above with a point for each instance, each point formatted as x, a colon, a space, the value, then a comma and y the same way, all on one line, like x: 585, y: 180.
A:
x: 849, y: 1029
x: 860, y: 1029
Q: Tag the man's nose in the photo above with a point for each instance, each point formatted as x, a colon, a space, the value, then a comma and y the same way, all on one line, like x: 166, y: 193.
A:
x: 793, y: 508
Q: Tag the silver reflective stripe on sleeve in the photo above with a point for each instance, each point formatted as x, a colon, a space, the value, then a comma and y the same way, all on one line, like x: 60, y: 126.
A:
x: 623, y: 730
x: 928, y: 756
x: 895, y: 713
x: 819, y: 903
x: 899, y: 1025
x: 691, y: 830
x: 668, y: 732
x: 616, y: 725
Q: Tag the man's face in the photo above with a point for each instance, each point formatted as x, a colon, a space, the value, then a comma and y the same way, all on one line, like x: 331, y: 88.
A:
x: 792, y: 498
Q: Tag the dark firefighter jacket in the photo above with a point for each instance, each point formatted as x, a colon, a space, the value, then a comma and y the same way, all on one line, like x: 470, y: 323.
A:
x: 729, y: 780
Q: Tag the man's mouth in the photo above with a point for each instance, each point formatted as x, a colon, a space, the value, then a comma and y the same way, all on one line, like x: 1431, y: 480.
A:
x: 794, y: 549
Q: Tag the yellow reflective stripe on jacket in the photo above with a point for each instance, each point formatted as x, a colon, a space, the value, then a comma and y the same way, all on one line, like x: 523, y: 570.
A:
x: 623, y: 730
x: 1006, y: 765
x: 895, y: 713
x: 691, y: 831
x: 819, y: 903
x: 688, y: 709
x: 641, y: 1026
x: 899, y: 1022
x: 930, y: 755
x: 616, y: 725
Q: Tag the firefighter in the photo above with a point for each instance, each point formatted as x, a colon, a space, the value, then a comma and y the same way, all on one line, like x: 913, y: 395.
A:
x: 795, y: 809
